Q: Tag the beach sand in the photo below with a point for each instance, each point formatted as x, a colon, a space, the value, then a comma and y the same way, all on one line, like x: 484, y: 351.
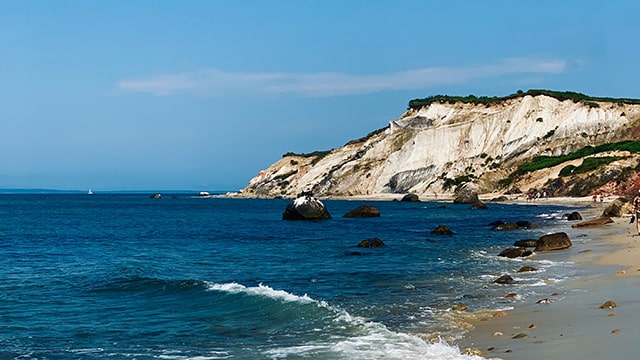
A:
x: 572, y: 325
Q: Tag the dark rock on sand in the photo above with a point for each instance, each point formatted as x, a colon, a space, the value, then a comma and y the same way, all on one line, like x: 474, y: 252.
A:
x: 504, y: 279
x: 306, y: 207
x: 410, y: 198
x: 601, y: 221
x: 515, y: 253
x: 363, y: 211
x: 550, y: 242
x: 441, y: 230
x: 608, y: 305
x: 615, y: 209
x: 574, y: 216
x: 528, y: 243
x: 371, y: 243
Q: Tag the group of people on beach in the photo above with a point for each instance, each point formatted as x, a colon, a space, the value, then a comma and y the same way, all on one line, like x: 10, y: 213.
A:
x: 535, y: 195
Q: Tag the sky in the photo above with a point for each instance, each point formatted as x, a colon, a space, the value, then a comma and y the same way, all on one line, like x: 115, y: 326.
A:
x: 202, y: 95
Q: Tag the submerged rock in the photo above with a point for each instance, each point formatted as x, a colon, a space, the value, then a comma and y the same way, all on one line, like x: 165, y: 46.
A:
x: 306, y: 207
x: 504, y: 279
x: 371, y: 243
x: 527, y: 269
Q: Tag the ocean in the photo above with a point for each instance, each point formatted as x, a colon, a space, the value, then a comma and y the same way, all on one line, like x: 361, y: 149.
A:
x: 125, y: 276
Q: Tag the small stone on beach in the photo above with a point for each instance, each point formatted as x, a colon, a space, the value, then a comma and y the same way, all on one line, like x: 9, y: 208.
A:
x: 621, y: 272
x: 498, y: 333
x: 608, y: 305
x: 612, y: 314
x: 615, y: 331
x: 520, y: 336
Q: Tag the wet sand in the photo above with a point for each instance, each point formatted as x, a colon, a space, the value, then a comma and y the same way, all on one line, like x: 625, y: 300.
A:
x: 572, y: 325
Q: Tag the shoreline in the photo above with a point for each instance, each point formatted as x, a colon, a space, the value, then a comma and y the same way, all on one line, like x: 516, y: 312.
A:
x: 571, y: 325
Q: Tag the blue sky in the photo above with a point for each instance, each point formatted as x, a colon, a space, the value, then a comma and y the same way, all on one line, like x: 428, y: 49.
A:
x: 201, y: 95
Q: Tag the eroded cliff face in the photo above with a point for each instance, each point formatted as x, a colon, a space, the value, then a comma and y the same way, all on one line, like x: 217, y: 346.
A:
x: 425, y: 149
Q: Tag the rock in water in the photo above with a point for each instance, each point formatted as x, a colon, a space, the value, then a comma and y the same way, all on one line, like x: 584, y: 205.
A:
x: 371, y: 243
x: 441, y: 230
x: 574, y: 216
x: 363, y: 212
x: 306, y: 207
x: 557, y: 241
x: 410, y: 198
x: 466, y: 197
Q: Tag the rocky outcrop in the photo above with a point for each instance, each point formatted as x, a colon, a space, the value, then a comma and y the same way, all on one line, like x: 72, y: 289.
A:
x: 306, y: 207
x: 550, y: 242
x: 446, y: 146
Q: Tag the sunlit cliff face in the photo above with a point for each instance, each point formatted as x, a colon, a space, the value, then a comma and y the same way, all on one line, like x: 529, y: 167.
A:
x: 423, y: 150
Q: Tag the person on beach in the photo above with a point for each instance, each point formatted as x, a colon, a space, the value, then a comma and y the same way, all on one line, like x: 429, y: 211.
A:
x: 636, y: 211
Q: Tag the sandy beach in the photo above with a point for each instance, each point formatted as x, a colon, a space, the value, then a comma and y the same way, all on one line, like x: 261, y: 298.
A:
x: 572, y: 324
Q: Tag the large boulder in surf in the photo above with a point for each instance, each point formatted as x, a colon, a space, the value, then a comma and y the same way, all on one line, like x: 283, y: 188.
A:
x: 550, y: 242
x: 363, y: 211
x: 306, y: 207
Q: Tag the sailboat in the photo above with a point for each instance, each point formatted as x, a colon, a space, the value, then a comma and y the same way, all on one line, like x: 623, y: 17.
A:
x: 89, y: 192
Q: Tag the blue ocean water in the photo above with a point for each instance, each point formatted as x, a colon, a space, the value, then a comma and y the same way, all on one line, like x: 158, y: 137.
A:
x: 126, y: 276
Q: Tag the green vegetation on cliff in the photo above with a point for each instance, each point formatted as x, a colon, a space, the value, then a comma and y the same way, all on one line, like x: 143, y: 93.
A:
x: 590, y: 101
x: 543, y: 162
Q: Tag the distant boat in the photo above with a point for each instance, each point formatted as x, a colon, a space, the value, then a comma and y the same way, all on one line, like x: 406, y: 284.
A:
x: 156, y: 196
x: 204, y: 193
x: 89, y: 192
